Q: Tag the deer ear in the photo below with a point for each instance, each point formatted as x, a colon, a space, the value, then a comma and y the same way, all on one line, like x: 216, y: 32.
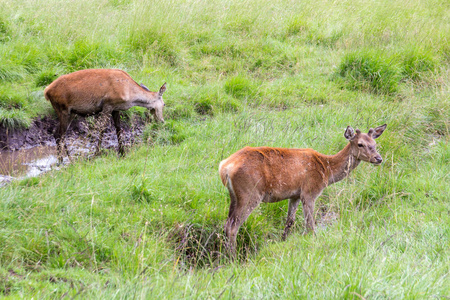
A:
x: 145, y: 88
x: 349, y: 133
x: 377, y: 131
x: 162, y: 89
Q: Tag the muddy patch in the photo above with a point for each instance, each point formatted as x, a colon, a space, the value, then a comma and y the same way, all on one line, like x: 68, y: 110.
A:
x: 32, y: 151
x: 39, y: 133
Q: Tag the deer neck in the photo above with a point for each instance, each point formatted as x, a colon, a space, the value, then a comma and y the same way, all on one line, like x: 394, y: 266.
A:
x: 341, y: 164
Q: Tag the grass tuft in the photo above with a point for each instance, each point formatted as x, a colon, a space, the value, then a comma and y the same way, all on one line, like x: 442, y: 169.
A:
x: 46, y: 77
x: 157, y: 44
x: 417, y: 63
x: 370, y: 70
x: 199, y: 245
x: 297, y: 26
x: 239, y: 87
x: 14, y: 118
x: 12, y: 96
x: 4, y: 31
x: 83, y: 54
x: 140, y: 192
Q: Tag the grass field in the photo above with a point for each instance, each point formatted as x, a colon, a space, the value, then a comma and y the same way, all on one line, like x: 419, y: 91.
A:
x: 274, y: 73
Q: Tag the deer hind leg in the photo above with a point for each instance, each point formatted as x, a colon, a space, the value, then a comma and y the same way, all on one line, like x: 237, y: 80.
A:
x: 241, y: 207
x: 116, y: 119
x: 102, y: 123
x: 293, y: 205
x: 231, y: 226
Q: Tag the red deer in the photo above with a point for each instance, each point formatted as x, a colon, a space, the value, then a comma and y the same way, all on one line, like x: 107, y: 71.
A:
x: 99, y: 91
x: 266, y: 174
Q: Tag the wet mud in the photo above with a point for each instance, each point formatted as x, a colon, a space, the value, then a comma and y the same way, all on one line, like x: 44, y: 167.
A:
x: 32, y: 151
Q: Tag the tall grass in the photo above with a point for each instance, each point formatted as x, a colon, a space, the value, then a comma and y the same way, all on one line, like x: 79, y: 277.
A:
x: 155, y: 43
x: 274, y: 73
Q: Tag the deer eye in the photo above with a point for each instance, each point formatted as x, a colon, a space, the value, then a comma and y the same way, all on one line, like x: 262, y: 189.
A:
x: 360, y: 145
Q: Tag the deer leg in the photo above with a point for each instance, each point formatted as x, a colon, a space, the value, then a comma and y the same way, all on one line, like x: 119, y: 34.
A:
x: 231, y: 225
x: 240, y: 209
x: 293, y: 205
x: 116, y: 119
x: 71, y: 117
x: 60, y: 133
x: 102, y: 123
x: 57, y: 136
x: 308, y: 212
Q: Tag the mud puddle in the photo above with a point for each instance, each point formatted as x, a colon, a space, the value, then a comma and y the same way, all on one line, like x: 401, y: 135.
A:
x: 31, y: 152
x: 26, y: 163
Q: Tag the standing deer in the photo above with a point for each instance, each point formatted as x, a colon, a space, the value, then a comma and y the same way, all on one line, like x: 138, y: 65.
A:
x: 266, y: 174
x: 99, y: 91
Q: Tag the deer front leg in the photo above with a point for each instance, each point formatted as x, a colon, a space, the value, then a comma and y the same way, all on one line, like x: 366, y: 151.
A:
x: 102, y: 123
x: 293, y: 205
x: 308, y: 202
x: 116, y: 119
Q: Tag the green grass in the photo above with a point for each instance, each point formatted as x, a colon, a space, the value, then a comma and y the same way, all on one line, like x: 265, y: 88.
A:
x: 276, y: 73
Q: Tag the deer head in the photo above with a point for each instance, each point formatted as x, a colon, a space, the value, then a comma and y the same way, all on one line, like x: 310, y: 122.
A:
x: 363, y: 145
x: 156, y: 107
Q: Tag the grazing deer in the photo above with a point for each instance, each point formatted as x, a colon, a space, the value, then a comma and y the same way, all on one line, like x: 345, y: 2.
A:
x: 266, y: 174
x: 99, y: 91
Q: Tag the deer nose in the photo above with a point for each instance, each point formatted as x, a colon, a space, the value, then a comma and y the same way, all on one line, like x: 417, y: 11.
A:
x: 378, y: 159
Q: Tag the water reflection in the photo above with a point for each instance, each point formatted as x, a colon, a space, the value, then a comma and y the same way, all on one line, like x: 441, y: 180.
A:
x: 26, y: 163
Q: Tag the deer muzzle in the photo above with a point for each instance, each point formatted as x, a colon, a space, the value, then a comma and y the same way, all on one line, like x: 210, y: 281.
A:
x: 376, y: 160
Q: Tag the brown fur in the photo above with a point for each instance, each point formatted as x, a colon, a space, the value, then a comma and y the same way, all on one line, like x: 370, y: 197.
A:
x: 104, y: 91
x: 266, y: 174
